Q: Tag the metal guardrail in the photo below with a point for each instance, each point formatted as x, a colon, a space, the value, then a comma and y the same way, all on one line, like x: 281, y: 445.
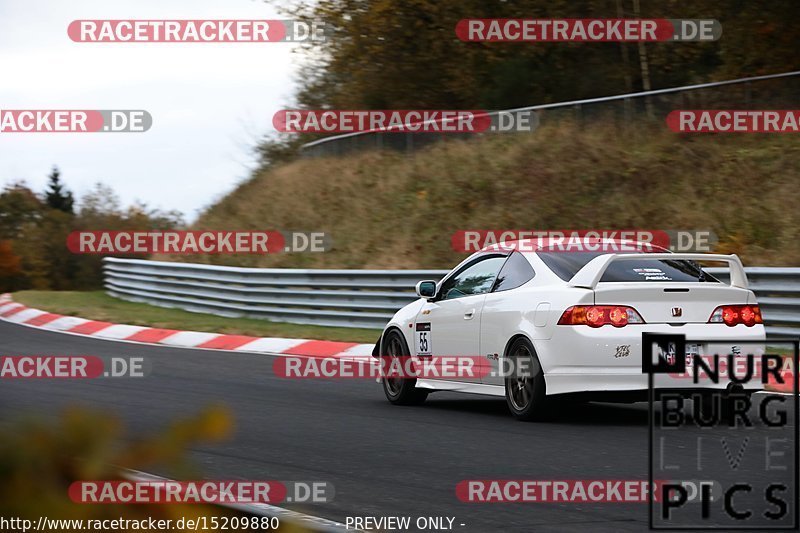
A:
x: 346, y: 298
x: 778, y: 292
x: 657, y: 102
x: 352, y: 298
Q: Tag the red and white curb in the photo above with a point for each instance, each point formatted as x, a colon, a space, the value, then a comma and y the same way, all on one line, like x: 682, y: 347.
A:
x: 17, y: 313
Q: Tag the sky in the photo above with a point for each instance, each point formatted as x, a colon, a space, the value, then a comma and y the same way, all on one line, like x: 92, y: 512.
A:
x: 210, y: 102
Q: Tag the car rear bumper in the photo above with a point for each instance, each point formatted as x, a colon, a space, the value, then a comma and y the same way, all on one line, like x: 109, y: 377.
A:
x: 583, y: 359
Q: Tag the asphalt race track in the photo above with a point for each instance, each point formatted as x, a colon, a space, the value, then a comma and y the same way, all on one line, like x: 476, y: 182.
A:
x: 383, y: 460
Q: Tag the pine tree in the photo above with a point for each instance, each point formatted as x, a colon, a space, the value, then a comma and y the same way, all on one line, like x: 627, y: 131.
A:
x: 58, y: 197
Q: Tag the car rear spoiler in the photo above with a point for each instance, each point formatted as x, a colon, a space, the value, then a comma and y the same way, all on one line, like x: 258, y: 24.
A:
x: 589, y: 276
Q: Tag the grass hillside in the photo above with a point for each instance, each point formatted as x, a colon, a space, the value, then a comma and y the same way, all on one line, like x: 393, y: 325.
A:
x: 391, y: 210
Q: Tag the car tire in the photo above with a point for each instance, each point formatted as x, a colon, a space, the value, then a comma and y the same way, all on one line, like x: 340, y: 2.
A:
x: 399, y: 391
x: 526, y: 393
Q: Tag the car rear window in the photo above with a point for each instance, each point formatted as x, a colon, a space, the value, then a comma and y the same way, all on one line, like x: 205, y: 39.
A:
x: 567, y: 264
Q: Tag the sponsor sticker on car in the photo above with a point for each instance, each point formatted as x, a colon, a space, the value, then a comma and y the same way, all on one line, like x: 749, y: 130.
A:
x: 422, y: 339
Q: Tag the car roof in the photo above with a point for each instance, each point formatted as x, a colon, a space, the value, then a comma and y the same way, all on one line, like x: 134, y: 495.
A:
x: 591, y: 244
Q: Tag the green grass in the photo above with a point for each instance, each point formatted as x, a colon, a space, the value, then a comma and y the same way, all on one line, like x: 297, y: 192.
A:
x: 393, y: 210
x: 96, y: 305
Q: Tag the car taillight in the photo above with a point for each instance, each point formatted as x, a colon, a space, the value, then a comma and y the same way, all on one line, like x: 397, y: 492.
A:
x: 731, y: 315
x: 600, y: 315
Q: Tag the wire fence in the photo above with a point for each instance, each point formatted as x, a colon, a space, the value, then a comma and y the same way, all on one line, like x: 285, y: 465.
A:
x: 774, y: 91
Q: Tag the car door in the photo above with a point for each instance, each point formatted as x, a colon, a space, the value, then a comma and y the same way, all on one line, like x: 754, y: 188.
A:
x: 499, y: 315
x: 449, y: 324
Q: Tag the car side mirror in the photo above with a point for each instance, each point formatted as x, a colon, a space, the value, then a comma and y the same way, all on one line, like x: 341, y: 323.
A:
x: 426, y: 289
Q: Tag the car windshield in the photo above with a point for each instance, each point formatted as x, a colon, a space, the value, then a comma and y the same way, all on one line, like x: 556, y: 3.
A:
x: 567, y: 264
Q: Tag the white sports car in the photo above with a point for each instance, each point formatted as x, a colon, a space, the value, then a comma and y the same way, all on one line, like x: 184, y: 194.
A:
x: 576, y: 317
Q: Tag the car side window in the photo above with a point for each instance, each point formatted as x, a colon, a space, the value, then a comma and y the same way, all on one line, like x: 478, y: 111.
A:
x: 516, y: 272
x: 477, y: 278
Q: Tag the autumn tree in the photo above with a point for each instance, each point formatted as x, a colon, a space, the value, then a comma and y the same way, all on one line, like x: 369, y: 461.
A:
x: 10, y: 267
x: 400, y: 55
x: 34, y: 230
x: 19, y: 207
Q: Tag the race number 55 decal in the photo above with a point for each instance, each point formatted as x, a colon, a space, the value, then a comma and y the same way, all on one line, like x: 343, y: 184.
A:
x: 422, y: 339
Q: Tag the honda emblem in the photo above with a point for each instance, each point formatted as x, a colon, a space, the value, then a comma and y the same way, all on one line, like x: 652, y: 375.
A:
x: 677, y: 311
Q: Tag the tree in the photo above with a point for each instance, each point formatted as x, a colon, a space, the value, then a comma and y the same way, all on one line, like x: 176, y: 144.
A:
x: 383, y: 54
x: 101, y: 209
x: 19, y: 208
x: 10, y: 267
x: 58, y: 197
x: 34, y: 230
x: 100, y: 201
